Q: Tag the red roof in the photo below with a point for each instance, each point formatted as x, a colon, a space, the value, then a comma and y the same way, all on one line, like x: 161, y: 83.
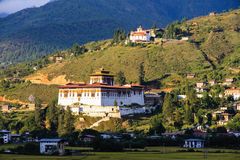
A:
x: 143, y: 33
x: 99, y: 85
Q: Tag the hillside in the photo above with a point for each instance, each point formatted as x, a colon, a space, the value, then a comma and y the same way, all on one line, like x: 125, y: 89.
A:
x: 32, y: 33
x: 213, y: 51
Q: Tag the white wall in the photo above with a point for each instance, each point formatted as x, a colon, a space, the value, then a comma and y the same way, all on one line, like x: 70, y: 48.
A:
x: 101, y: 99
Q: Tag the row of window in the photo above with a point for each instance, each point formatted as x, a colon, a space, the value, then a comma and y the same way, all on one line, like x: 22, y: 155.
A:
x: 107, y: 94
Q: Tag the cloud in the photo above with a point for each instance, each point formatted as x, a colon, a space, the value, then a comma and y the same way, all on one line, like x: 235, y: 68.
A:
x: 12, y: 6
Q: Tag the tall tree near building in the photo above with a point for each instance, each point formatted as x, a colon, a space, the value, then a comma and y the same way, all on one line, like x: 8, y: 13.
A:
x: 168, y: 108
x: 188, y: 116
x: 52, y: 116
x: 120, y: 78
x: 68, y: 122
x: 119, y: 35
x: 60, y: 128
x: 141, y: 74
x: 38, y: 114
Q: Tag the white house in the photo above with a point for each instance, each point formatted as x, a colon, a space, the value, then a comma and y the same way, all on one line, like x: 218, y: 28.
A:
x: 51, y: 146
x: 140, y: 35
x: 5, y: 136
x: 194, y: 143
x: 101, y: 92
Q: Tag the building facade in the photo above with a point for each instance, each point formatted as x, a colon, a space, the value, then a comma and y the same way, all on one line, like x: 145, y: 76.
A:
x: 5, y: 136
x: 101, y: 91
x: 52, y: 146
x: 140, y: 35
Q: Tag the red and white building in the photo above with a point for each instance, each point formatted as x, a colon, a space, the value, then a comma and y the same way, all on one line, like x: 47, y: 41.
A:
x: 140, y: 35
x: 101, y: 91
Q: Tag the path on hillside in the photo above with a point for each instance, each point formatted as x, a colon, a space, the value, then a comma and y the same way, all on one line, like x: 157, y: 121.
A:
x: 96, y: 124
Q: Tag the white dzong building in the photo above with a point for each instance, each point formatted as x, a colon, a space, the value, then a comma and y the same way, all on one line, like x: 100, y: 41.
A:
x: 140, y: 35
x: 101, y: 91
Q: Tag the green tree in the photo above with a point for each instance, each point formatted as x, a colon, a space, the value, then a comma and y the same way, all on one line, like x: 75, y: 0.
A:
x: 68, y: 122
x: 5, y: 84
x: 209, y: 119
x: 156, y: 125
x: 38, y: 114
x: 172, y: 31
x: 52, y: 116
x: 60, y: 128
x: 188, y: 116
x: 141, y: 74
x: 120, y: 78
x: 119, y: 35
x: 168, y: 108
x: 234, y: 124
x: 78, y: 50
x: 178, y: 119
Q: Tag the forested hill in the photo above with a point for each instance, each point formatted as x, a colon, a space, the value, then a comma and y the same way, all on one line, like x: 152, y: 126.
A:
x: 35, y: 32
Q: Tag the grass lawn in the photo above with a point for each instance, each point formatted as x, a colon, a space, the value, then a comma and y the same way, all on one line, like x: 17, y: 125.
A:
x: 130, y: 156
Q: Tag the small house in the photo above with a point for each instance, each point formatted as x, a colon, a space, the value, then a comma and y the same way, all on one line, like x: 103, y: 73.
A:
x: 228, y: 81
x: 88, y: 138
x: 6, y: 108
x: 200, y: 84
x: 52, y: 146
x: 5, y: 136
x: 152, y: 99
x: 190, y: 76
x: 194, y: 143
x: 212, y: 14
x: 212, y: 82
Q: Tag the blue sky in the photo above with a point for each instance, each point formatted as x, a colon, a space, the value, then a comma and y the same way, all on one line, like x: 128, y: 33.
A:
x: 11, y: 6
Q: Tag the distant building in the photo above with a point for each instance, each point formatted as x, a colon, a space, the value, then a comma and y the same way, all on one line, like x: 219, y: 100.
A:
x: 52, y: 146
x: 5, y: 136
x: 200, y: 84
x: 238, y: 107
x: 190, y: 76
x: 201, y: 87
x: 194, y: 143
x: 234, y: 92
x: 222, y: 117
x: 212, y: 13
x: 228, y: 81
x: 152, y: 99
x: 140, y: 35
x: 5, y: 108
x: 88, y: 138
x: 212, y: 82
x: 185, y: 38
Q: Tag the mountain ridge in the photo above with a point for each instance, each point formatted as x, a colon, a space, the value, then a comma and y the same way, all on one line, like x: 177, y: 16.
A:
x: 35, y: 32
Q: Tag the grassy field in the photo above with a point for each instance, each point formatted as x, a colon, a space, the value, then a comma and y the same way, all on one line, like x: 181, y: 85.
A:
x: 149, y: 153
x: 130, y: 156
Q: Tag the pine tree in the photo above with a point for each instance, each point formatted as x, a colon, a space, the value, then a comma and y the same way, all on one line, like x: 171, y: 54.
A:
x: 68, y: 122
x: 141, y: 74
x: 120, y: 78
x: 168, y: 108
x: 188, y: 116
x: 60, y: 128
x: 119, y: 35
x: 52, y: 116
x: 38, y: 114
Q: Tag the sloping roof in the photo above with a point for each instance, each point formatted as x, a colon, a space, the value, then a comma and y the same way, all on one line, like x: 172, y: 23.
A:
x: 194, y: 140
x: 100, y: 85
x: 51, y: 140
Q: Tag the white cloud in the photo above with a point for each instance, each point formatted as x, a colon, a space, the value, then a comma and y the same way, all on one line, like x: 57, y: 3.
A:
x: 11, y: 6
